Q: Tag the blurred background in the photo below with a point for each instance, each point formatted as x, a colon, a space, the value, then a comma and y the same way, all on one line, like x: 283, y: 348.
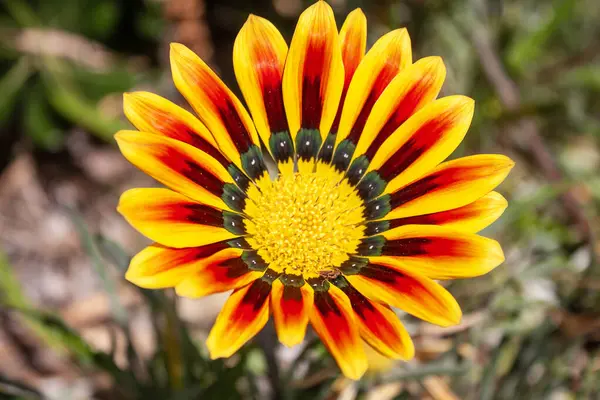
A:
x: 72, y: 328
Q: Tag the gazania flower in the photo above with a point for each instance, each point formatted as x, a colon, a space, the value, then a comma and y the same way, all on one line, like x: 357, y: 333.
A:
x: 360, y: 212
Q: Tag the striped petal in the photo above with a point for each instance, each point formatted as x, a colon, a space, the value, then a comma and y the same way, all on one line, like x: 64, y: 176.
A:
x: 291, y: 305
x: 378, y: 325
x: 471, y: 218
x: 439, y: 252
x: 149, y: 112
x: 353, y: 42
x: 244, y: 314
x: 390, y: 54
x: 332, y: 318
x: 172, y: 219
x: 451, y: 185
x: 177, y: 165
x: 419, y: 145
x: 219, y: 109
x: 413, y: 293
x: 158, y: 266
x: 229, y: 271
x: 313, y: 79
x: 414, y: 87
x: 259, y: 54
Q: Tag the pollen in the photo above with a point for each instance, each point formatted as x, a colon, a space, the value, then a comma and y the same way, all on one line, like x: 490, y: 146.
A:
x: 305, y: 223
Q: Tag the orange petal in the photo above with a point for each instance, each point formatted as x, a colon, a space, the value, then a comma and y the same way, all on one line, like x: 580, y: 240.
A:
x: 332, y: 318
x: 177, y: 165
x: 172, y: 219
x: 259, y: 55
x: 219, y: 109
x: 158, y: 266
x: 244, y: 314
x: 413, y: 293
x: 440, y: 253
x: 291, y: 305
x: 390, y: 54
x: 422, y: 142
x: 353, y: 42
x: 470, y: 218
x: 229, y: 271
x: 313, y: 78
x: 452, y: 184
x: 379, y: 326
x: 149, y: 112
x: 414, y: 87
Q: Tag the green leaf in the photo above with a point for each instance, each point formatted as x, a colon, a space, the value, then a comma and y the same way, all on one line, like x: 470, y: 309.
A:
x: 101, y: 19
x: 38, y: 121
x: 11, y: 84
x: 587, y: 77
x: 114, y: 253
x: 22, y: 13
x: 96, y: 84
x: 69, y: 102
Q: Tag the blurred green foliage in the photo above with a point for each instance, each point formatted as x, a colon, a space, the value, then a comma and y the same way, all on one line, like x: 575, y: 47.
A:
x: 528, y: 347
x: 50, y: 88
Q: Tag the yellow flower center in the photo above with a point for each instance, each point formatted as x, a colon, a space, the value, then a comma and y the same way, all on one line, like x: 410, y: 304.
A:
x: 305, y: 223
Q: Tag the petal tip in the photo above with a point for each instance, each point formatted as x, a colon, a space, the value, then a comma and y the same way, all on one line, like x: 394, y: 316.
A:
x: 496, y: 254
x: 176, y: 47
x: 126, y: 137
x: 320, y: 6
x: 408, y: 352
x: 121, y: 136
x: 177, y: 51
x: 499, y: 200
x: 130, y: 101
x: 509, y: 163
x: 356, y: 372
x: 289, y: 341
x: 357, y: 12
x: 454, y: 316
x: 433, y: 62
x: 136, y: 278
x: 251, y: 21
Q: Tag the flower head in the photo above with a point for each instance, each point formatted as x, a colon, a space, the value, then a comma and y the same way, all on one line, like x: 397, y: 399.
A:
x: 362, y: 212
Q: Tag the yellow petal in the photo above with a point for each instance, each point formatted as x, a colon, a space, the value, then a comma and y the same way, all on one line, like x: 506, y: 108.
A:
x: 172, y: 219
x: 333, y: 320
x: 414, y: 87
x: 149, y: 112
x: 158, y: 267
x: 439, y: 252
x: 291, y: 306
x: 216, y: 105
x: 413, y: 293
x: 389, y: 55
x: 177, y: 165
x: 423, y: 141
x: 451, y: 185
x: 353, y: 42
x: 241, y: 318
x: 314, y: 73
x: 228, y: 272
x: 470, y: 218
x: 379, y: 326
x: 259, y: 54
